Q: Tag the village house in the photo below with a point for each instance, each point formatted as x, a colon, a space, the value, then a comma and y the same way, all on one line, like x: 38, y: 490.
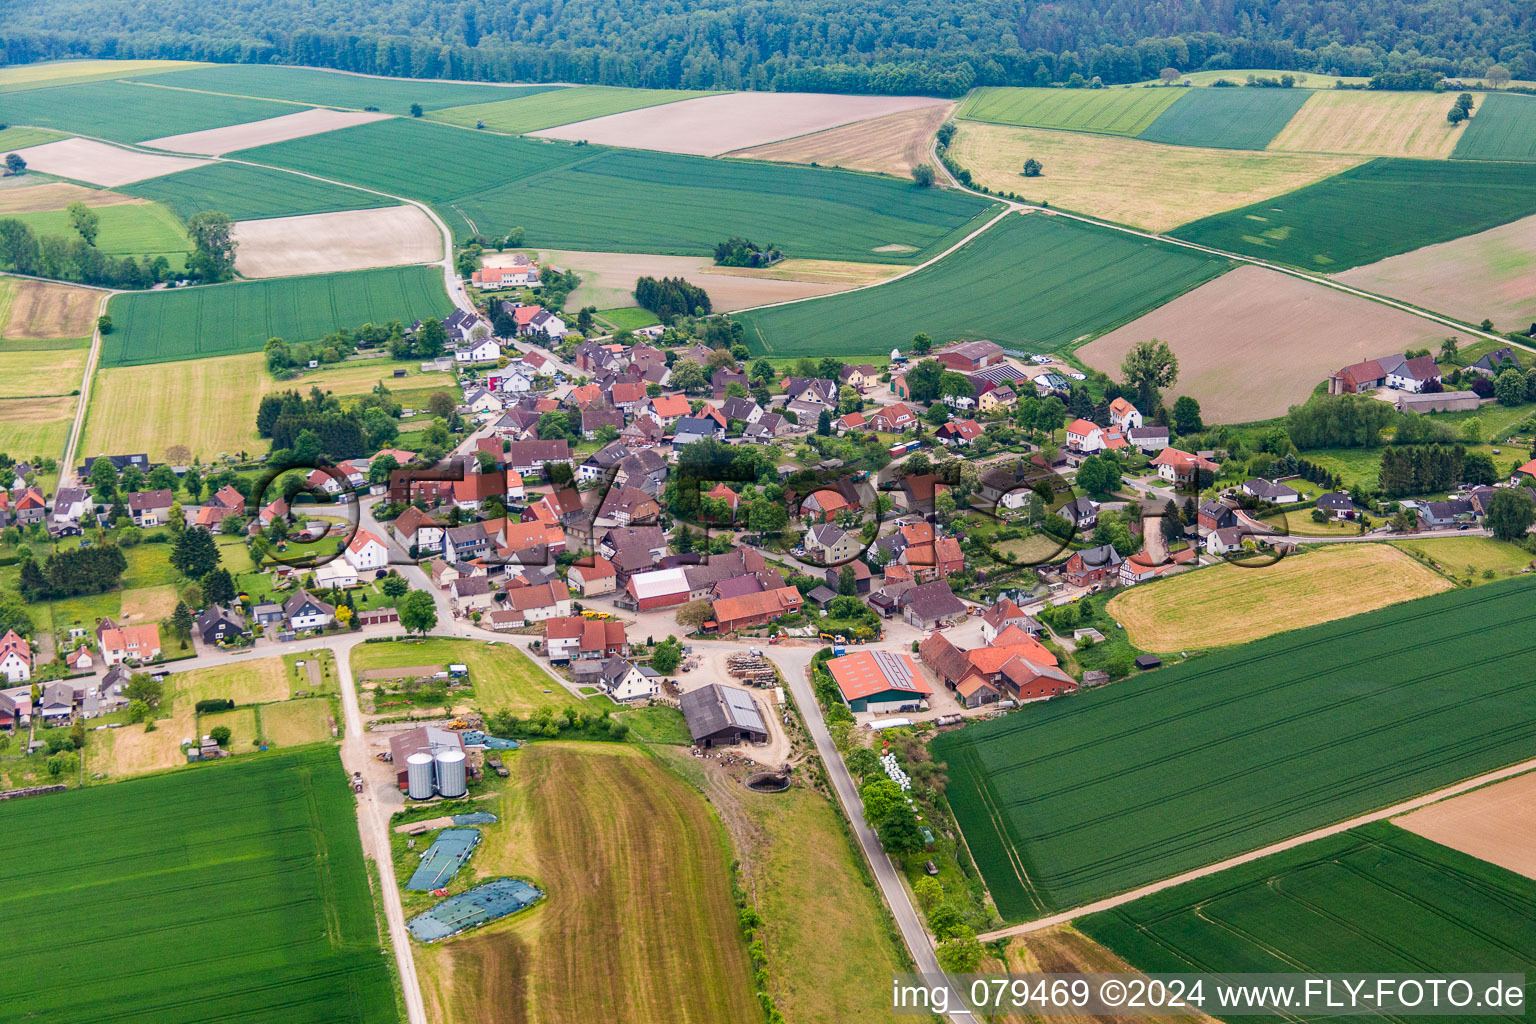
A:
x: 1270, y: 491
x: 15, y: 658
x: 305, y: 611
x: 594, y: 579
x: 1099, y: 565
x: 218, y: 624
x: 1006, y: 613
x: 958, y: 433
x: 1015, y: 667
x: 893, y: 419
x: 127, y: 643
x: 829, y: 545
x: 1124, y: 415
x: 418, y: 532
x: 624, y: 681
x: 150, y: 508
x: 366, y: 553
x: 1181, y: 467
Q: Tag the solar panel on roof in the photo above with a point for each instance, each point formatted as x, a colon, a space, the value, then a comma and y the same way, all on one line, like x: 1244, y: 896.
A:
x: 742, y: 708
x: 896, y: 669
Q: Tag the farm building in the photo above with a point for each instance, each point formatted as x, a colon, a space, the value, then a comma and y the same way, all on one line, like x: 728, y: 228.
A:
x: 931, y: 605
x: 432, y: 742
x: 751, y: 610
x: 660, y: 588
x: 880, y: 681
x: 720, y: 715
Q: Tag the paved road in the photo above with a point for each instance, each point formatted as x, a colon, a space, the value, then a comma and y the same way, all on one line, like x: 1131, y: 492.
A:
x: 1211, y: 869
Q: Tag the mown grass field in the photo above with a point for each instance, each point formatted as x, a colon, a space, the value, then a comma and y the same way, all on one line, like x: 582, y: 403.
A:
x: 40, y: 371
x: 246, y: 681
x: 269, y: 844
x: 189, y: 323
x: 637, y: 872
x: 209, y: 405
x: 125, y: 112
x: 243, y: 192
x: 520, y: 114
x: 579, y: 197
x: 1459, y: 554
x: 337, y: 89
x: 1504, y: 128
x: 1373, y: 899
x: 126, y: 229
x: 1036, y: 282
x: 1226, y: 118
x: 1104, y: 791
x: 1372, y: 123
x: 1106, y: 111
x: 1132, y: 181
x: 1373, y: 211
x: 35, y: 426
x: 1233, y: 604
x: 502, y: 677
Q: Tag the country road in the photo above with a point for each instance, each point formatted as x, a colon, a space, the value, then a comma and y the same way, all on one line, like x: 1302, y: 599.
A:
x: 67, y: 473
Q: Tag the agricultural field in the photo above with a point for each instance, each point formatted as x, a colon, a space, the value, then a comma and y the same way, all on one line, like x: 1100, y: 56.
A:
x: 99, y: 163
x: 188, y: 323
x: 1104, y: 111
x: 60, y: 72
x: 1144, y: 184
x: 1491, y: 274
x: 1254, y: 342
x: 127, y: 229
x: 890, y: 144
x: 32, y: 310
x: 1234, y: 604
x: 570, y: 197
x: 502, y: 676
x: 1373, y: 211
x: 55, y: 195
x: 1493, y: 823
x: 281, y: 857
x: 243, y: 192
x: 557, y: 829
x: 135, y: 749
x: 1372, y: 123
x: 548, y: 108
x: 44, y: 371
x: 1238, y: 76
x: 357, y: 376
x: 14, y: 138
x: 712, y: 125
x: 326, y: 242
x: 304, y: 123
x: 337, y: 88
x: 1226, y: 118
x: 1468, y: 556
x: 1034, y: 281
x: 1503, y: 128
x: 209, y: 405
x: 122, y: 111
x: 1244, y: 747
x: 35, y: 426
x: 1373, y: 899
x: 608, y: 278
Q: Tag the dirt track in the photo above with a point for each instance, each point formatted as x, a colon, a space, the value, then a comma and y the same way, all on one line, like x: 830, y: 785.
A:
x: 101, y: 164
x: 1254, y: 342
x: 712, y: 125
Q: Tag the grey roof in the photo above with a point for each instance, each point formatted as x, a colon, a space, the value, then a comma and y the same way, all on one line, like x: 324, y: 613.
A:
x: 471, y: 586
x: 1335, y: 500
x: 933, y: 600
x: 214, y: 614
x: 300, y: 598
x: 713, y: 708
x: 1104, y: 554
x: 821, y: 595
x: 1262, y: 488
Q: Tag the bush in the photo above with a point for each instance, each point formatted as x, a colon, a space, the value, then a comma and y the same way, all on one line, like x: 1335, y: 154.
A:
x: 204, y: 707
x: 220, y: 734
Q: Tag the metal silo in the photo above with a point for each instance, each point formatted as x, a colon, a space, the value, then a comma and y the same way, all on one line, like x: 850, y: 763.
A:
x: 418, y: 776
x: 450, y: 773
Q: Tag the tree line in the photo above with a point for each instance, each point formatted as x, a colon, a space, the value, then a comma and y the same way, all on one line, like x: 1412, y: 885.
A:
x: 672, y: 297
x: 91, y: 570
x: 895, y: 47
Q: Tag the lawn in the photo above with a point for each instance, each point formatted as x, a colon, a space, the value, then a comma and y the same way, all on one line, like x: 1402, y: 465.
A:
x: 1170, y: 770
x: 297, y: 722
x: 271, y: 842
x: 657, y: 725
x: 1503, y: 128
x: 1373, y: 211
x: 243, y: 192
x: 629, y: 318
x: 126, y: 112
x: 187, y: 323
x: 1469, y: 556
x: 243, y: 724
x: 1375, y: 899
x: 1034, y: 281
x: 611, y: 200
x: 1106, y: 111
x: 503, y: 676
x: 1131, y: 181
x: 524, y: 114
x: 244, y: 680
x: 1226, y: 118
x: 127, y: 229
x: 209, y: 405
x: 337, y: 89
x: 1233, y: 604
x: 606, y: 830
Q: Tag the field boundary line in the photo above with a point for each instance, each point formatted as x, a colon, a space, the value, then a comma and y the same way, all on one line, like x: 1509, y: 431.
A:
x: 1392, y: 811
x: 88, y: 377
x: 239, y: 96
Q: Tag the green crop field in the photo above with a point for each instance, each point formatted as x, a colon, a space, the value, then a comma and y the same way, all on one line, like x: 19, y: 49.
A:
x: 1034, y: 281
x: 1226, y: 118
x: 128, y: 229
x: 529, y: 114
x: 125, y: 112
x: 250, y: 193
x: 1376, y: 899
x: 14, y: 138
x: 224, y: 319
x: 1106, y: 111
x: 335, y: 89
x: 237, y: 890
x: 1503, y: 128
x: 1373, y: 211
x: 1171, y: 770
x: 593, y: 198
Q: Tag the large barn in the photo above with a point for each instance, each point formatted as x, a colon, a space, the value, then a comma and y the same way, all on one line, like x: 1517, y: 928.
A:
x: 723, y: 715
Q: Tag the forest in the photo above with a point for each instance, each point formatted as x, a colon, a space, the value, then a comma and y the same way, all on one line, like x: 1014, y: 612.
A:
x: 894, y: 46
